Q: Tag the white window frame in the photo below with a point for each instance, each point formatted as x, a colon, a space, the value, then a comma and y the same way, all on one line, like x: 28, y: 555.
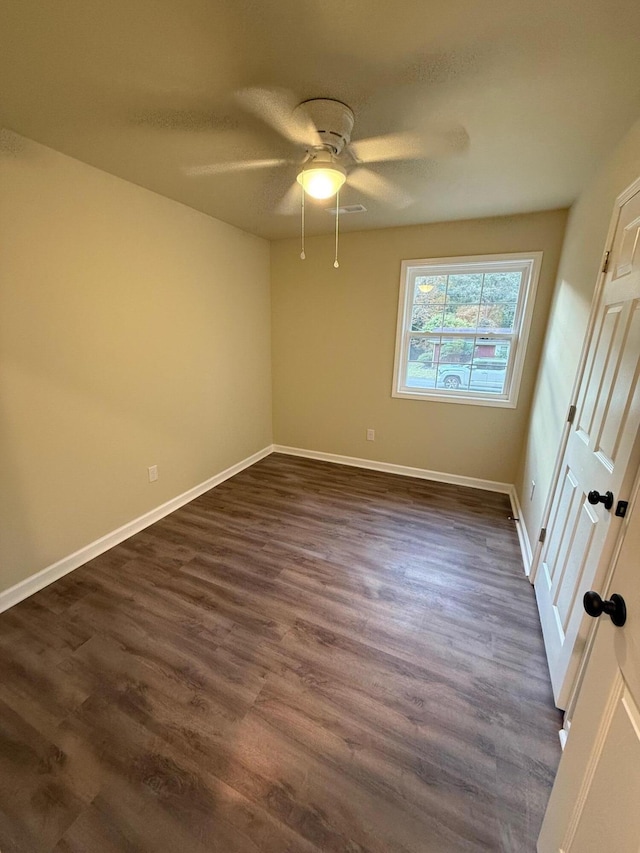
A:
x: 529, y: 264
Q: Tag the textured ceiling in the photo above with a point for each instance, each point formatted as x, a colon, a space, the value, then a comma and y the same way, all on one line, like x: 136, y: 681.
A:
x: 147, y: 90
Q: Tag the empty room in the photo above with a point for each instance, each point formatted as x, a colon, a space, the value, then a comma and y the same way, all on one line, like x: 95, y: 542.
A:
x: 319, y: 426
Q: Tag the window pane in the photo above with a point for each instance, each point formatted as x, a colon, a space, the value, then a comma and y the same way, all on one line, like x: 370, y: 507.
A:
x: 426, y: 317
x: 460, y: 316
x: 430, y: 288
x: 420, y: 367
x: 455, y: 350
x: 501, y: 287
x: 464, y: 289
x: 453, y: 377
x: 488, y: 379
x: 489, y: 366
x: 497, y: 317
x: 489, y: 350
x: 421, y: 349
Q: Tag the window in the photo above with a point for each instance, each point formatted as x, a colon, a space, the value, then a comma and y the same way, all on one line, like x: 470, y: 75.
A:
x: 462, y: 328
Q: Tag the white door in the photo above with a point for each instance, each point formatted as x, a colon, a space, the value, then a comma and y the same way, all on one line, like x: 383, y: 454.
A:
x: 595, y: 802
x: 601, y: 455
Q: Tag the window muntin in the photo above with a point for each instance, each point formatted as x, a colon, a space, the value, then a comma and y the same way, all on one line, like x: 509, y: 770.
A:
x: 462, y: 328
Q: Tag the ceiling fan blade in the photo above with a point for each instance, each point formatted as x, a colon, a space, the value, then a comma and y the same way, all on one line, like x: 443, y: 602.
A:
x: 376, y: 186
x: 275, y: 107
x: 392, y: 146
x: 410, y: 146
x: 233, y: 166
x: 446, y: 142
x: 291, y: 201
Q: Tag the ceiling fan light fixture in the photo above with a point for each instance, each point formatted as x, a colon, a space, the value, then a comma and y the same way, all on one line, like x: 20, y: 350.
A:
x: 322, y: 177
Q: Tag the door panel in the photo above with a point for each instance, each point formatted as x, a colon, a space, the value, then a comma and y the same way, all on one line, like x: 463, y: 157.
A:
x: 601, y: 454
x: 594, y: 804
x: 559, y: 537
x: 611, y: 797
x: 580, y: 546
x: 622, y: 384
x: 592, y: 388
x: 629, y: 248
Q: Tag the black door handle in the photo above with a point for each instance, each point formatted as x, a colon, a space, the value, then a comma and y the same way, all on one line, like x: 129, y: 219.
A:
x: 596, y: 498
x: 615, y: 607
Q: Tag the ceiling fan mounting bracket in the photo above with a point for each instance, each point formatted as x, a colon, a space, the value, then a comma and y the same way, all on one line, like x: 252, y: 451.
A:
x: 333, y: 120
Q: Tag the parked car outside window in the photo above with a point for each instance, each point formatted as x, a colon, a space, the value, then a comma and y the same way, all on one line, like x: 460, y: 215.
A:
x: 479, y: 376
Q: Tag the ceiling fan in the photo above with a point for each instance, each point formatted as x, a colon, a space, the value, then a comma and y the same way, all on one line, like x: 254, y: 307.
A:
x: 322, y: 127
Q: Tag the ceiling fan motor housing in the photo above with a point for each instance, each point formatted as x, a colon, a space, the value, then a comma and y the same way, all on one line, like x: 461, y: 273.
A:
x: 333, y: 120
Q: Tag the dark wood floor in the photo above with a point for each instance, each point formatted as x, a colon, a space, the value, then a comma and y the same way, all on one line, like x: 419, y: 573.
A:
x: 308, y: 658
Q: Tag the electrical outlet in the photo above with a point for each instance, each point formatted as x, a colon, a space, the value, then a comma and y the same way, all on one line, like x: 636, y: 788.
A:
x: 153, y: 473
x: 533, y: 488
x: 371, y: 435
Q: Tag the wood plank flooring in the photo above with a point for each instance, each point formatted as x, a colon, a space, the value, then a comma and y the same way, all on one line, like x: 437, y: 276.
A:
x: 308, y: 658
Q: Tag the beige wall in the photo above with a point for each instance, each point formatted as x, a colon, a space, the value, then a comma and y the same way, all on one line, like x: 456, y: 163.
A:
x: 334, y: 338
x: 133, y: 331
x: 577, y: 276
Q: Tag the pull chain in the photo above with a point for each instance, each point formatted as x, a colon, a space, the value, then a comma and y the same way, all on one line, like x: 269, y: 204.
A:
x: 302, y: 254
x: 335, y: 263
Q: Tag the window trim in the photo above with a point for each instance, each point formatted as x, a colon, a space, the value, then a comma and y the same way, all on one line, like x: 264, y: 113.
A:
x: 531, y: 261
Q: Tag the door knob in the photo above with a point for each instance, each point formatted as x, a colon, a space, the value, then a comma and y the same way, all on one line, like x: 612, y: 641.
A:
x: 596, y: 498
x: 615, y: 607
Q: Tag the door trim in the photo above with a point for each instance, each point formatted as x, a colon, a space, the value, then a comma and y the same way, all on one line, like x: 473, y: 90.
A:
x: 620, y: 201
x: 606, y: 571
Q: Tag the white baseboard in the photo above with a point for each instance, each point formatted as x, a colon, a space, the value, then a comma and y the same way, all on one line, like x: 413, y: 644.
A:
x: 403, y: 470
x: 523, y: 538
x: 425, y: 474
x: 51, y: 573
x: 563, y: 735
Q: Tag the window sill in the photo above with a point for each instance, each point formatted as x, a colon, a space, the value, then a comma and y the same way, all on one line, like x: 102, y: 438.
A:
x: 499, y: 401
